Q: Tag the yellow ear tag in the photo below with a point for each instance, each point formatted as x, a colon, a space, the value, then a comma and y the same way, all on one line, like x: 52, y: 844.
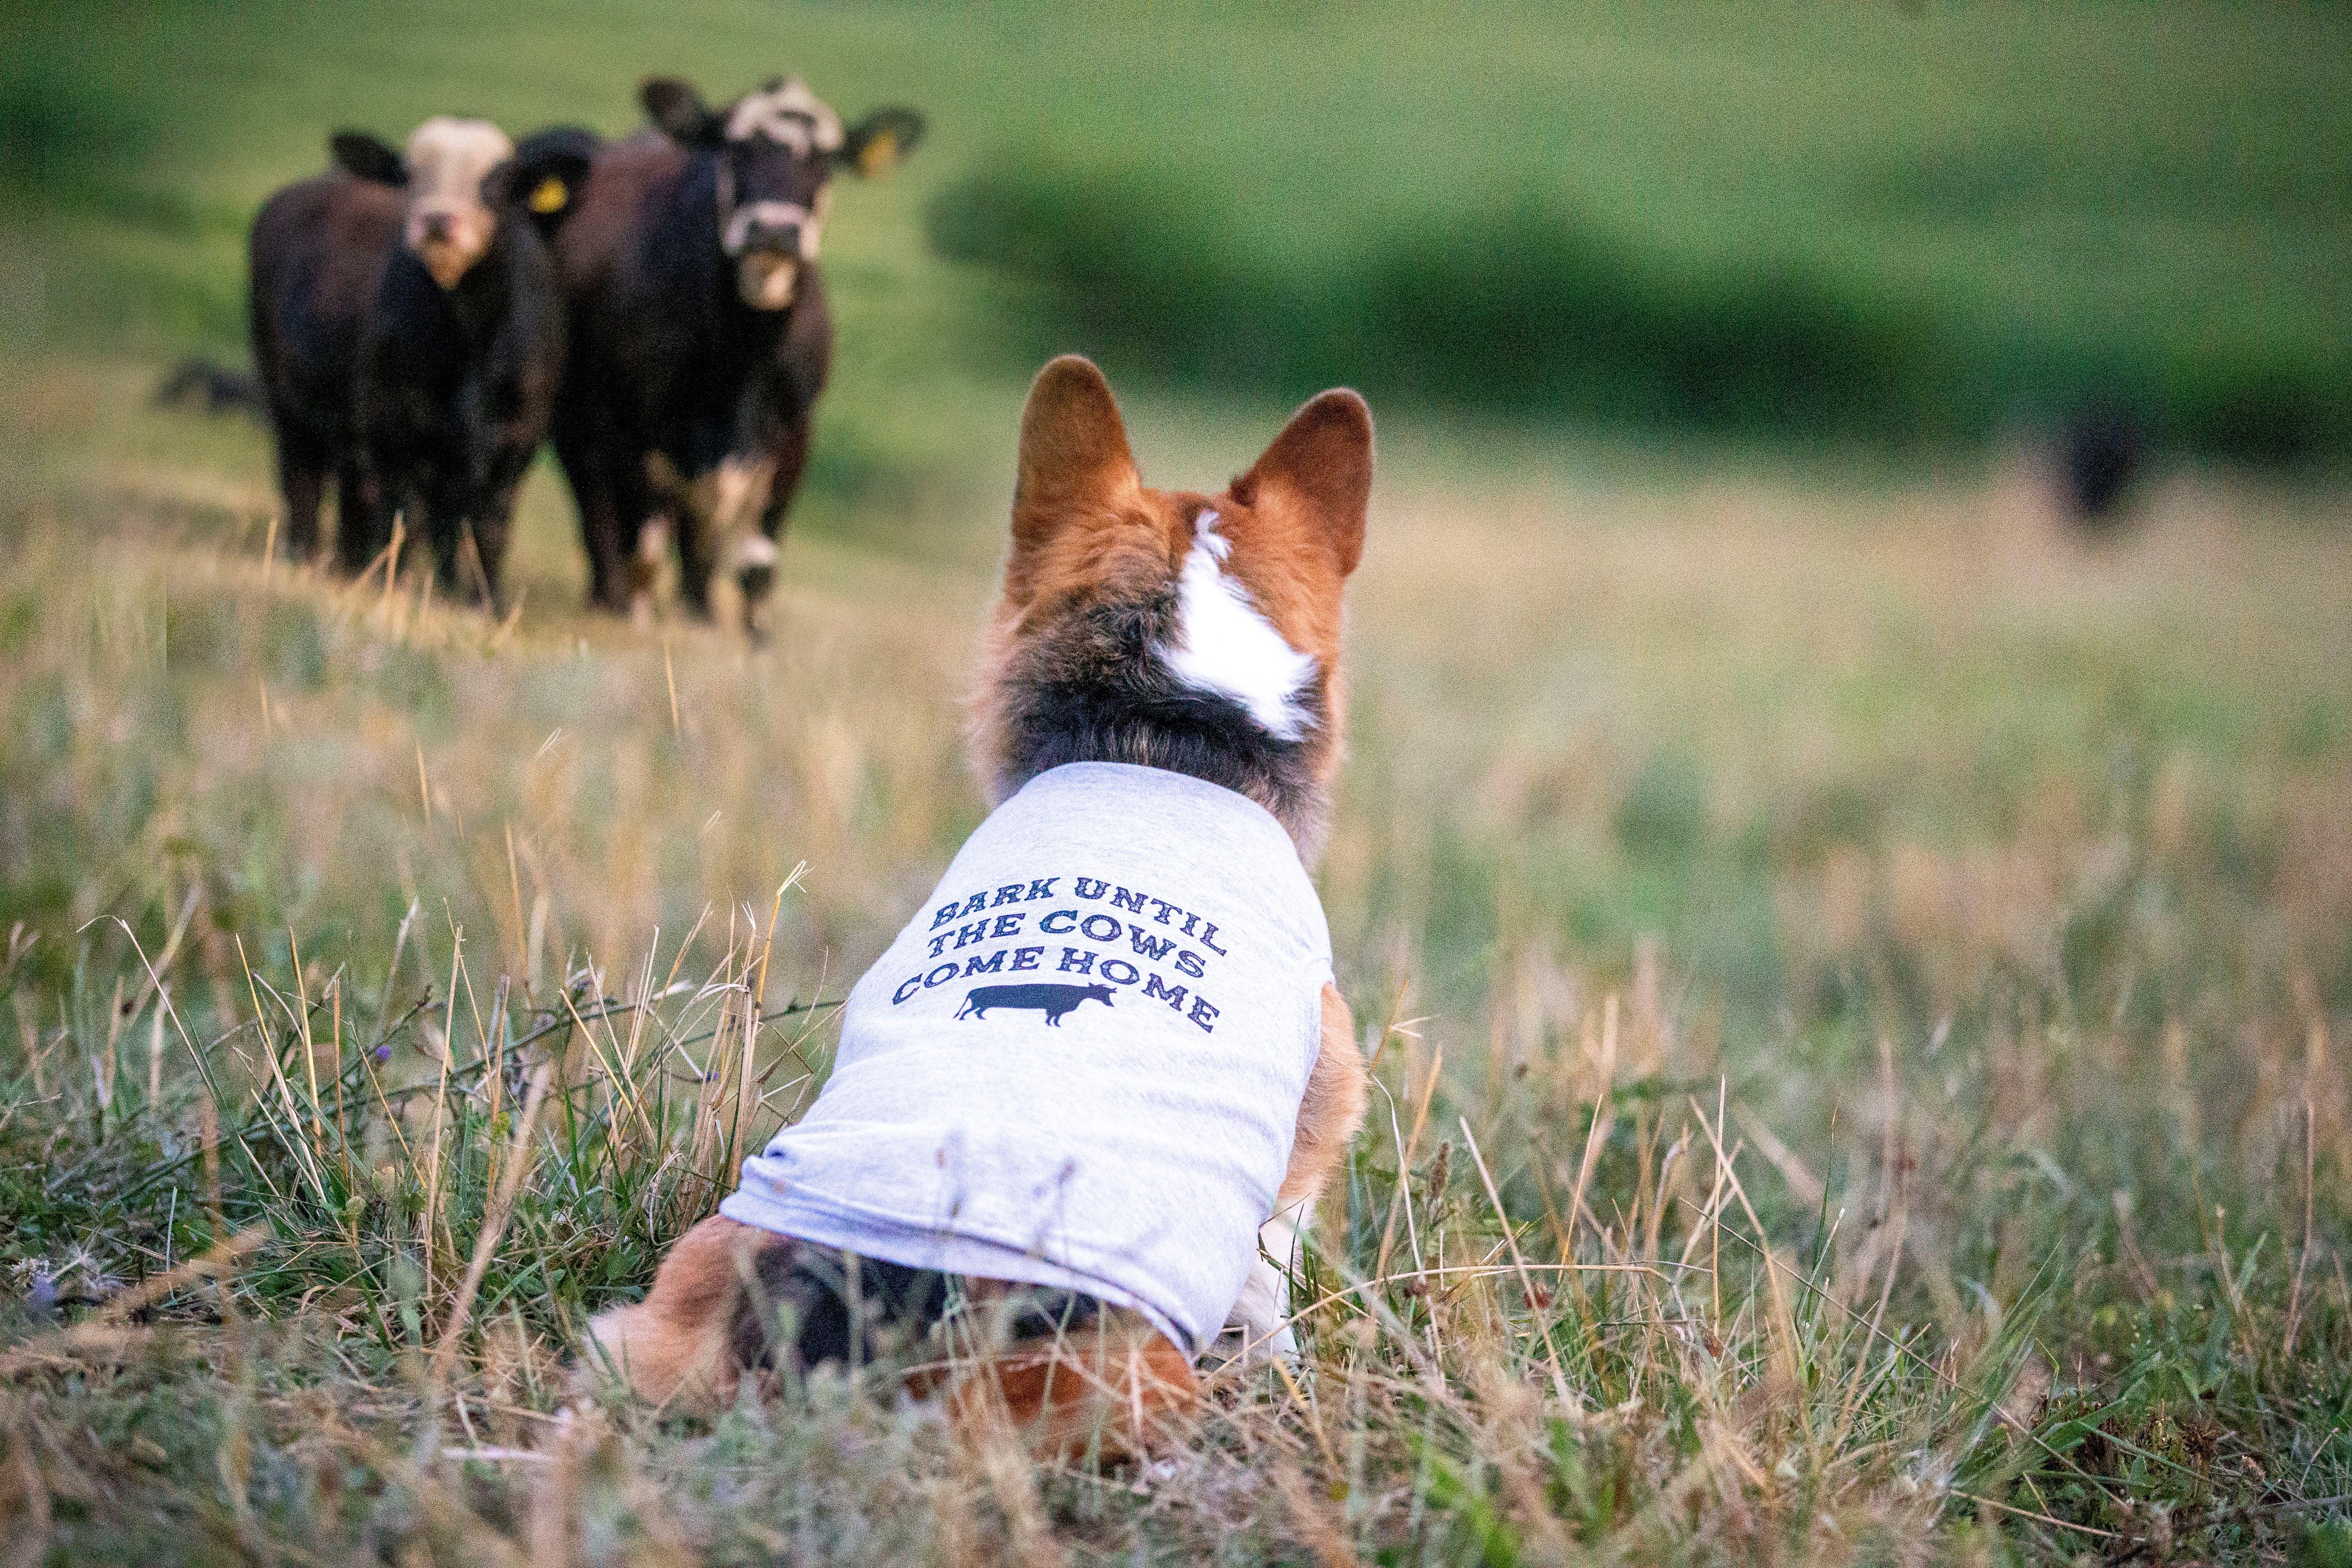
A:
x: 551, y: 196
x: 878, y: 154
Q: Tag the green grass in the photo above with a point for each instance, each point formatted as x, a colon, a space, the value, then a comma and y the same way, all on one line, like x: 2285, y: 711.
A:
x: 1745, y: 849
x: 1910, y: 225
x: 1914, y: 225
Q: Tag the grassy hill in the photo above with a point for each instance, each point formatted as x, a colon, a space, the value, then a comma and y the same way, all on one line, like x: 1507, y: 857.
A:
x: 1910, y: 224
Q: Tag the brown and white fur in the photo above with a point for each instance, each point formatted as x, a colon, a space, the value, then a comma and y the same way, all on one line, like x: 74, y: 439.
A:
x: 1100, y: 650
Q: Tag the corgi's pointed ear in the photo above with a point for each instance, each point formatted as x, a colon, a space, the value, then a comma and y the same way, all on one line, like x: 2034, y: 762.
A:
x: 1074, y: 457
x: 1319, y: 473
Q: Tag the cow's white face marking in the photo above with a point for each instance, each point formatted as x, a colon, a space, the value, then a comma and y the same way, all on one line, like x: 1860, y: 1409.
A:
x: 773, y: 238
x: 751, y: 216
x: 449, y: 225
x: 1224, y: 646
x: 790, y: 115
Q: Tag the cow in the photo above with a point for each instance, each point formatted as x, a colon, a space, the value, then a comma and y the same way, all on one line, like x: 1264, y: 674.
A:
x: 701, y: 336
x: 464, y: 350
x: 315, y: 259
x: 408, y: 338
x: 2100, y: 455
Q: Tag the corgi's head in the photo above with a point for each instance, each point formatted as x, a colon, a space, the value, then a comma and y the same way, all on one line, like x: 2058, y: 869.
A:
x: 1171, y: 629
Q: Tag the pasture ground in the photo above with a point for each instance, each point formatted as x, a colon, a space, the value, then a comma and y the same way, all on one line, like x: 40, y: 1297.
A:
x: 1858, y: 979
x: 1873, y: 879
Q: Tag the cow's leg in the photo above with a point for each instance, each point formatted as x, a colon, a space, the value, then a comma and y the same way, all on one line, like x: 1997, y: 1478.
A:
x: 403, y: 476
x: 483, y: 535
x: 791, y: 443
x: 719, y: 533
x: 469, y: 572
x: 493, y: 531
x: 445, y: 510
x: 756, y: 570
x: 302, y: 481
x: 697, y: 525
x: 500, y: 435
x: 646, y: 530
x: 491, y: 510
x: 611, y: 542
x: 611, y: 537
x: 360, y: 528
x: 403, y: 505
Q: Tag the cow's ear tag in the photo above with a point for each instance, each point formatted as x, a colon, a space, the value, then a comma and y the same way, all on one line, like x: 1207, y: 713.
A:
x: 549, y: 197
x: 879, y: 156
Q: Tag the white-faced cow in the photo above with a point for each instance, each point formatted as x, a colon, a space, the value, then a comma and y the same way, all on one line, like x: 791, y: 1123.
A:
x: 409, y: 339
x: 700, y: 337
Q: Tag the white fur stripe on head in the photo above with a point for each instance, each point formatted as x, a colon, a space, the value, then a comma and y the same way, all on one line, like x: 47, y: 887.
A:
x: 1224, y: 646
x: 790, y: 114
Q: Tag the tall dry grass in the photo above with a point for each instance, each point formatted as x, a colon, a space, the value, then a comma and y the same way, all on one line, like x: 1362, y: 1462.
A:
x: 1854, y: 983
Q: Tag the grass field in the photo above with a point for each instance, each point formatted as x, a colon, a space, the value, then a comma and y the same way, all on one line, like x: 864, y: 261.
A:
x: 1914, y: 225
x: 1857, y: 975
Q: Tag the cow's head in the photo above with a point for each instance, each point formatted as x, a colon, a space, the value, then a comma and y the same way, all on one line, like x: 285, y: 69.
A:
x: 776, y: 150
x: 461, y: 176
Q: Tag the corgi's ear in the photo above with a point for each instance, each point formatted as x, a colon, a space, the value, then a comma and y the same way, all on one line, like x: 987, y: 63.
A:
x: 1075, y: 462
x: 1318, y: 474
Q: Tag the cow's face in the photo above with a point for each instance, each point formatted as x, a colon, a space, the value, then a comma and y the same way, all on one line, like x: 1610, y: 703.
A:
x: 449, y: 223
x: 774, y: 169
x: 776, y: 150
x: 451, y: 217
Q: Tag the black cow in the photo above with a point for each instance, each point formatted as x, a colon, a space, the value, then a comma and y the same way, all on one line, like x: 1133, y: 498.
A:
x: 408, y: 336
x: 316, y: 257
x: 464, y: 350
x: 700, y: 337
x: 2101, y: 454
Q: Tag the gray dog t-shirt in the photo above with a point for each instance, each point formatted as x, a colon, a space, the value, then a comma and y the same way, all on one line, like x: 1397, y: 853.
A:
x: 1080, y: 1066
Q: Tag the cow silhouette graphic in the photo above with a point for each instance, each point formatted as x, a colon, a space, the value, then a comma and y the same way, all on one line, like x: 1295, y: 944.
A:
x: 1054, y: 1001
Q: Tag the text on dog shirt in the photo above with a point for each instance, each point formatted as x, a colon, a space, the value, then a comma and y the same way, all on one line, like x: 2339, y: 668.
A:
x: 1081, y: 1065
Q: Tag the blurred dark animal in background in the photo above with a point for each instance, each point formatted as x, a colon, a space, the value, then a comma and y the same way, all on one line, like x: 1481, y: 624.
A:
x: 2099, y: 456
x: 409, y: 338
x: 198, y: 383
x: 700, y: 338
x: 316, y: 259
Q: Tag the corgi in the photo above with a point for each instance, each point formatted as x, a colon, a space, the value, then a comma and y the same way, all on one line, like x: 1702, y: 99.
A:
x: 1070, y: 1185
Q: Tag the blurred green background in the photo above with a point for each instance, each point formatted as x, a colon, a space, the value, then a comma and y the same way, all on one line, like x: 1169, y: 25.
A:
x: 1922, y: 225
